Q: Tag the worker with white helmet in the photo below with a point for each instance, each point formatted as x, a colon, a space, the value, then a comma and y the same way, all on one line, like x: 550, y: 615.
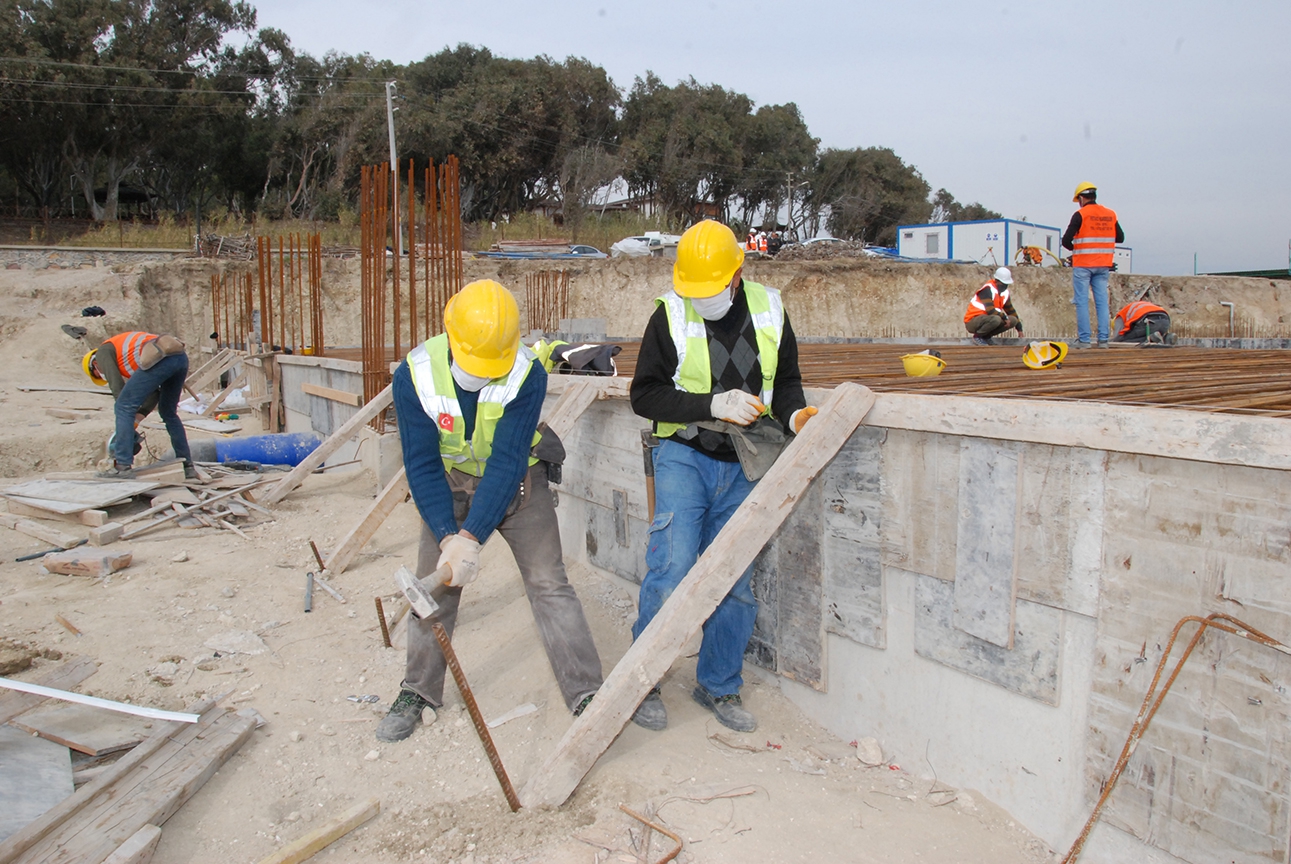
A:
x: 467, y: 403
x: 718, y: 348
x: 990, y: 310
x: 1092, y: 236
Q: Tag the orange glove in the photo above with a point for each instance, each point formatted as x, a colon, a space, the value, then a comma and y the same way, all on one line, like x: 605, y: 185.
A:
x: 800, y: 417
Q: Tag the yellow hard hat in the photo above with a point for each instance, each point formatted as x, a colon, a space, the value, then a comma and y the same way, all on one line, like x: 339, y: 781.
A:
x: 91, y: 369
x: 1082, y: 188
x: 707, y: 257
x: 1044, y: 355
x: 923, y: 365
x: 483, y: 325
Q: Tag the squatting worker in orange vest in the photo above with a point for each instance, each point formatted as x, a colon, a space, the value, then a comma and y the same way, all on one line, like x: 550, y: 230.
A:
x: 990, y: 311
x: 144, y: 371
x: 1092, y: 236
x: 1141, y: 321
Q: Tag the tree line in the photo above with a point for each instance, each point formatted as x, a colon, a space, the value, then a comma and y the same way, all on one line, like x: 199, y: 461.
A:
x: 187, y: 105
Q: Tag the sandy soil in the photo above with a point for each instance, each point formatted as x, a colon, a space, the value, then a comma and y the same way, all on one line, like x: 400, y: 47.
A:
x: 789, y: 792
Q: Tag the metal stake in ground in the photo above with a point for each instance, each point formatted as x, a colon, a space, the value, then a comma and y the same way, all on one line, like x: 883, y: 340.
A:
x: 476, y: 717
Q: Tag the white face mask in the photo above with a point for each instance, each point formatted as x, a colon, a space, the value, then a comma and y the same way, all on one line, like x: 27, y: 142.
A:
x: 713, y: 308
x: 466, y: 380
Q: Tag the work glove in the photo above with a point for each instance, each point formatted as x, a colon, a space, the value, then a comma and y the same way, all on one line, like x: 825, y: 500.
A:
x: 736, y: 406
x: 462, y: 555
x: 799, y: 418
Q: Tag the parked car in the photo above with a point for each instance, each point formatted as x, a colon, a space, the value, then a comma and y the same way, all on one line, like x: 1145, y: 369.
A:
x: 586, y: 251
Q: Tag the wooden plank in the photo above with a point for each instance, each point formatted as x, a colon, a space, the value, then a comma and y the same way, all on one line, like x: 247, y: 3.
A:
x: 82, y: 699
x: 37, y: 775
x: 208, y: 373
x: 333, y: 443
x: 84, y: 729
x: 86, y: 563
x: 138, y: 849
x: 181, y: 494
x: 394, y: 494
x: 325, y: 835
x: 707, y: 583
x: 69, y: 674
x: 345, y: 397
x: 40, y: 532
x: 162, y: 473
x: 85, y: 494
x: 570, y: 406
x: 32, y: 507
x: 224, y: 394
x: 985, y: 560
x: 33, y: 833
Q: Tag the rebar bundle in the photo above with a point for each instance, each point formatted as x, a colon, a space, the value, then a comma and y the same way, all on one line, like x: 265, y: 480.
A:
x: 232, y: 310
x: 547, y: 299
x: 291, y: 294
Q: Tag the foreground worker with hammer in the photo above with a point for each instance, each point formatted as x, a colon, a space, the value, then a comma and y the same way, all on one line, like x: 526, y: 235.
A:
x: 468, y: 402
x: 718, y: 358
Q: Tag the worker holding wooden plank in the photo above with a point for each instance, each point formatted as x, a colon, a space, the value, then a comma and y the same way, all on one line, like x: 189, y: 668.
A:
x: 144, y: 371
x: 468, y: 400
x: 718, y: 348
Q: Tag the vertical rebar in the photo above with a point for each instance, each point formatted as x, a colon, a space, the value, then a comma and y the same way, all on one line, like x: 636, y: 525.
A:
x: 412, y: 259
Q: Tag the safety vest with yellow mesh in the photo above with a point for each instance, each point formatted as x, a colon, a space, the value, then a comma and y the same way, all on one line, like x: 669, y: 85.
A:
x: 689, y: 335
x: 128, y: 347
x: 432, y: 377
x: 1095, y: 243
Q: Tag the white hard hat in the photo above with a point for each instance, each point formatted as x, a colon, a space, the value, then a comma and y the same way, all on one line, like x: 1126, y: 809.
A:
x: 1003, y: 275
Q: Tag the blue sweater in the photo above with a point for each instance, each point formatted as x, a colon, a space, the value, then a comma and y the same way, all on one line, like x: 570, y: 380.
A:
x: 507, y: 465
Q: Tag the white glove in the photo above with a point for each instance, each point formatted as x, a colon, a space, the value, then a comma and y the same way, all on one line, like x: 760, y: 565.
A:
x: 736, y: 406
x: 462, y: 555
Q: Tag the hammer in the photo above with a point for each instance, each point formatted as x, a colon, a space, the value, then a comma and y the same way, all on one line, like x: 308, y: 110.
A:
x: 420, y: 592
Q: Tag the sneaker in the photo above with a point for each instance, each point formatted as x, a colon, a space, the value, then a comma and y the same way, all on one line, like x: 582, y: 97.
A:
x: 729, y: 710
x: 582, y: 706
x: 1081, y: 345
x: 116, y: 473
x: 190, y: 471
x: 651, y: 714
x: 1102, y: 343
x: 978, y: 340
x: 404, y: 716
x: 1155, y: 338
x: 1171, y: 339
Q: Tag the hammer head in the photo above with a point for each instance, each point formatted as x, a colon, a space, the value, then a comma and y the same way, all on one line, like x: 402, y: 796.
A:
x: 418, y: 592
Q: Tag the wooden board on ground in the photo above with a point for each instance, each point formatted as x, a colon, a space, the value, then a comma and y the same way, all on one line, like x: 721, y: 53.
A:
x: 33, y: 508
x: 180, y: 494
x: 64, y: 677
x: 91, y: 731
x: 685, y: 611
x: 138, y: 849
x: 325, y: 835
x: 394, y: 494
x: 161, y: 473
x: 38, y: 775
x: 80, y: 494
x: 39, y: 531
x: 345, y: 397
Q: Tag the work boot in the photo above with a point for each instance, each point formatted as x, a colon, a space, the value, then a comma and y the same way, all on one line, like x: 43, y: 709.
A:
x: 651, y: 714
x: 582, y: 705
x: 1171, y: 339
x: 190, y: 471
x: 728, y: 710
x: 403, y: 718
x: 1102, y: 343
x: 1081, y: 345
x: 116, y: 472
x: 978, y: 340
x: 1156, y: 338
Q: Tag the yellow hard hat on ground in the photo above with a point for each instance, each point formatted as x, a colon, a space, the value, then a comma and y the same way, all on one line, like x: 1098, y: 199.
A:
x: 1044, y: 355
x: 92, y: 369
x: 707, y: 257
x: 1082, y: 188
x: 923, y: 364
x: 483, y: 326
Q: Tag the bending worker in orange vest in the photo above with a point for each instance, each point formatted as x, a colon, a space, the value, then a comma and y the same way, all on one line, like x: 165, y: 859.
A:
x: 990, y: 311
x: 1141, y: 321
x: 1092, y: 236
x: 144, y: 371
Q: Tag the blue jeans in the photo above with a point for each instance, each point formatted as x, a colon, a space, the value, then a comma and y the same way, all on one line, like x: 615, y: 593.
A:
x: 166, y: 379
x: 695, y: 495
x: 1082, y: 279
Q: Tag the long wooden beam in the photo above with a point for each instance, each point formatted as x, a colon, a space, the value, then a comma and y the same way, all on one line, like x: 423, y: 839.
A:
x: 713, y: 575
x: 394, y: 494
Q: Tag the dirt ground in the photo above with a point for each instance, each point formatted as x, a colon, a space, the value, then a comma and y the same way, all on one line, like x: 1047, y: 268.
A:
x: 789, y: 792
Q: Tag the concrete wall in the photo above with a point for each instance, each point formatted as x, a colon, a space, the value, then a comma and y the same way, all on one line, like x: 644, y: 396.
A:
x: 987, y: 586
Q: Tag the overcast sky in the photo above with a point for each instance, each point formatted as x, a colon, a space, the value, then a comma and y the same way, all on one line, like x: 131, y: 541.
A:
x: 1178, y: 110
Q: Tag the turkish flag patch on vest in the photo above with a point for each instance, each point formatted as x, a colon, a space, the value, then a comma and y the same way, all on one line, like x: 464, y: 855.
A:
x: 446, y: 422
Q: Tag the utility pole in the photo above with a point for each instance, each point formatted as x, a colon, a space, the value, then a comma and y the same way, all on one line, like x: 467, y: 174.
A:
x: 788, y: 207
x: 394, y: 170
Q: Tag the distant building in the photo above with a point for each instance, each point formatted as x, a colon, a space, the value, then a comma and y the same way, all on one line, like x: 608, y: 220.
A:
x: 993, y: 242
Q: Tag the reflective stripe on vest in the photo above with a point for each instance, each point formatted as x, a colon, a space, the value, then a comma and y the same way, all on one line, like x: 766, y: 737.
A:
x: 975, y: 306
x: 694, y: 373
x: 432, y: 377
x: 1095, y: 242
x: 1134, y: 312
x: 128, y: 346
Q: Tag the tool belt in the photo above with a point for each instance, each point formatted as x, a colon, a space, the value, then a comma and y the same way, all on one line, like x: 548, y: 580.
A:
x: 757, y: 445
x: 154, y: 350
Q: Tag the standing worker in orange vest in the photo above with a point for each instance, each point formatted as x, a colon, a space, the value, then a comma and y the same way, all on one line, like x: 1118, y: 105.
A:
x: 990, y: 311
x: 1141, y: 321
x: 145, y: 371
x: 1092, y: 236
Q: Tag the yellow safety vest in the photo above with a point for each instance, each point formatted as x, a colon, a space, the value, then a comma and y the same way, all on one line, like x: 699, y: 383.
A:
x: 694, y: 373
x: 432, y: 377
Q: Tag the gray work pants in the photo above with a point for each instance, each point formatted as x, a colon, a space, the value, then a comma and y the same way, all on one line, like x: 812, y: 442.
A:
x: 530, y: 529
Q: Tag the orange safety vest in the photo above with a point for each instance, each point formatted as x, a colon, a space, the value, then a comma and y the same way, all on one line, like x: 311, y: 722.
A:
x: 128, y: 346
x: 1134, y: 312
x: 1095, y: 242
x: 999, y: 298
x: 762, y: 242
x: 752, y: 243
